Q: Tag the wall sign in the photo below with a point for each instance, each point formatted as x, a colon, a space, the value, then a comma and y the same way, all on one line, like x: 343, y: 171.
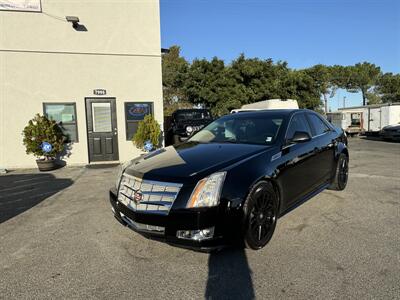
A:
x: 21, y: 5
x: 137, y: 111
x: 100, y: 92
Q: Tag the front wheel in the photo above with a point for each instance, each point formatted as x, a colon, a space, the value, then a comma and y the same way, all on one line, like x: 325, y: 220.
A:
x: 261, y: 214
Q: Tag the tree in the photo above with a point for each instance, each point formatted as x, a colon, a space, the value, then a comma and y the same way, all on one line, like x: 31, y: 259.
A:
x: 389, y: 87
x: 213, y: 85
x: 322, y: 76
x: 302, y: 87
x: 174, y: 74
x: 363, y: 76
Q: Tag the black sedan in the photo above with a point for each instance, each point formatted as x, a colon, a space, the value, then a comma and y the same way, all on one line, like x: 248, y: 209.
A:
x: 391, y: 132
x: 232, y: 180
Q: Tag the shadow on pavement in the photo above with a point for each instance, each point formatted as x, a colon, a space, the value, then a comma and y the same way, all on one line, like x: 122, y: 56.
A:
x: 19, y: 193
x: 229, y: 275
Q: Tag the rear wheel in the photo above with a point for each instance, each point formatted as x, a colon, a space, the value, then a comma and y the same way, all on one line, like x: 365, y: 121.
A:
x: 342, y: 173
x: 261, y: 213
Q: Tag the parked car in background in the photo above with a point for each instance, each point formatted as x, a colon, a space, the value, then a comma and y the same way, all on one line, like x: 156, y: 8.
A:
x: 391, y: 132
x: 184, y: 123
x: 232, y: 180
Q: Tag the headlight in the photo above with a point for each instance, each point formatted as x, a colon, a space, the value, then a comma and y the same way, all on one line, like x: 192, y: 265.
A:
x: 120, y: 172
x: 207, y: 191
x: 189, y: 129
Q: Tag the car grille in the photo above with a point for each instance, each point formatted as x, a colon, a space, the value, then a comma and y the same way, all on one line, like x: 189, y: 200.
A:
x: 146, y: 195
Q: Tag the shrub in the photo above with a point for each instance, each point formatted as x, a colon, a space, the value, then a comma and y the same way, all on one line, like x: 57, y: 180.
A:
x: 148, y: 130
x: 41, y: 129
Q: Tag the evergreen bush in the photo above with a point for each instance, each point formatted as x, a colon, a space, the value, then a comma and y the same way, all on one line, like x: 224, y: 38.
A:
x: 41, y: 129
x: 148, y: 130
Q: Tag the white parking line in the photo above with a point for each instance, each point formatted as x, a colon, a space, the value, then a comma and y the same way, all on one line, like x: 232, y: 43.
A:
x: 361, y: 175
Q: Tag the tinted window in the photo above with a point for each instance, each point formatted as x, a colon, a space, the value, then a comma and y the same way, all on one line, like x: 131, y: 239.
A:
x: 197, y: 114
x: 298, y: 123
x: 260, y: 130
x: 134, y: 113
x: 318, y: 125
x: 65, y: 115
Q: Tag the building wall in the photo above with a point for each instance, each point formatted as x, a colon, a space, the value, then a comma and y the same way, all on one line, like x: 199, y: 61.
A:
x: 43, y: 59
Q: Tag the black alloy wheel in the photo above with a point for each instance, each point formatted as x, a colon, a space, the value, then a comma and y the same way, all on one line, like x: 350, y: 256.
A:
x: 342, y: 173
x: 261, y: 213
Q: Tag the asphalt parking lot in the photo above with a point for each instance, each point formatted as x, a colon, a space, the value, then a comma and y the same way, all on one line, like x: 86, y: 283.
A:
x: 58, y: 239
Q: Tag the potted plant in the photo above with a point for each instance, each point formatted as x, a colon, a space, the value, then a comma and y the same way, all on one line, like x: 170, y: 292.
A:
x: 147, y: 136
x: 44, y: 139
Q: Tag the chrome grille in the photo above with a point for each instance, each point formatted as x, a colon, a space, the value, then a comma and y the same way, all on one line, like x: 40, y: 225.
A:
x: 154, y: 196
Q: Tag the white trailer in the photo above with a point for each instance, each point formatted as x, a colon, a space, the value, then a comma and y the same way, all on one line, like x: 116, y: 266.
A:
x: 369, y: 119
x: 351, y: 122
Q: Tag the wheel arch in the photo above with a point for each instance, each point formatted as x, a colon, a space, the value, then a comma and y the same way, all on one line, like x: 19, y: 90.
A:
x: 275, y: 186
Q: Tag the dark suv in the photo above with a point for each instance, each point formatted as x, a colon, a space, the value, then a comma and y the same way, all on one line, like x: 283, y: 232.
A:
x: 184, y: 123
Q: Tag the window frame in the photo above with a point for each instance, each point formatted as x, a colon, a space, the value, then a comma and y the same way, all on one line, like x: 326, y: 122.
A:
x: 68, y: 123
x: 290, y: 122
x: 126, y: 121
x: 313, y: 131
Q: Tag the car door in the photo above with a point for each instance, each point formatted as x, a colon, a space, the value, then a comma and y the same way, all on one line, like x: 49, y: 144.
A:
x: 324, y: 141
x: 297, y: 173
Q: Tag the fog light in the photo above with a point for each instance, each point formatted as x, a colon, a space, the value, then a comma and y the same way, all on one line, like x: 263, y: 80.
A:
x: 196, y: 235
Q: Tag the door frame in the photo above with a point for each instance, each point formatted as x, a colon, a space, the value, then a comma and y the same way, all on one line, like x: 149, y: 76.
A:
x: 113, y: 102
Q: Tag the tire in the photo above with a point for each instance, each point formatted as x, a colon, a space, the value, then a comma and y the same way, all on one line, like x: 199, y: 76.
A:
x: 260, y: 215
x: 175, y: 139
x: 342, y: 173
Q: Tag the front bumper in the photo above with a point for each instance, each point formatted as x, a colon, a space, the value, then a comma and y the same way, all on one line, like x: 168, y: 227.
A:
x: 164, y: 227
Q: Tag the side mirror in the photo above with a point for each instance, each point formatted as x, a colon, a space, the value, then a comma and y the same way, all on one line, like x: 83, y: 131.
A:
x: 300, y: 137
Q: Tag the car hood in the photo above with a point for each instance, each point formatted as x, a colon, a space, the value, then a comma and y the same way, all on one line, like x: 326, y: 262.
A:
x: 190, y: 161
x: 391, y: 127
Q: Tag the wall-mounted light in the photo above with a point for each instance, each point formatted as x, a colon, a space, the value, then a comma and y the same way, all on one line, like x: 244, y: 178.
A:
x: 73, y: 20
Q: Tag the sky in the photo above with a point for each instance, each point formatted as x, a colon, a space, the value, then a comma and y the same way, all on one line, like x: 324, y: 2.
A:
x: 301, y: 32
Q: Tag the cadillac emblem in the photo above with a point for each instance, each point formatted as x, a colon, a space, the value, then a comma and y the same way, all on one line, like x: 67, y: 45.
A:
x: 138, y: 196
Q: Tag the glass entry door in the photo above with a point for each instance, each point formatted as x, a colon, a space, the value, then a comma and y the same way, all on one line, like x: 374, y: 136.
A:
x: 102, y: 129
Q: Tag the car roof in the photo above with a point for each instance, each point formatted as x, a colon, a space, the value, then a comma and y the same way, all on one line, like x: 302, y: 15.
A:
x: 190, y: 109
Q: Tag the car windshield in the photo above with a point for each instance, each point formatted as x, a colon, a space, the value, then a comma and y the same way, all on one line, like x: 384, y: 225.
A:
x: 260, y: 130
x: 192, y: 115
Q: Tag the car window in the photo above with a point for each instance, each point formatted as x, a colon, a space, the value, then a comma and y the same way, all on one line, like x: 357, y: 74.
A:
x: 298, y: 123
x: 318, y: 125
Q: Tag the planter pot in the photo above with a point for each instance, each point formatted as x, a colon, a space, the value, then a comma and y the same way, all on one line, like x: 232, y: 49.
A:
x: 47, y: 165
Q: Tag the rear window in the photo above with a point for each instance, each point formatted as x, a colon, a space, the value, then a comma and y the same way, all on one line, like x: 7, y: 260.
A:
x: 241, y: 130
x: 318, y: 125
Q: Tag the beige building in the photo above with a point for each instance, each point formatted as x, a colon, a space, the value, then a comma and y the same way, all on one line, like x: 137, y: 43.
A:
x: 98, y: 76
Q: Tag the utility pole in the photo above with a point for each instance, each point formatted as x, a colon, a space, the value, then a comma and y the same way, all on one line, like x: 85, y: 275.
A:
x: 344, y: 101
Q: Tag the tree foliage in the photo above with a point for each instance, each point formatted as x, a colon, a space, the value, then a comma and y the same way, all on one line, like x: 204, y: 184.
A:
x: 41, y: 129
x: 222, y: 87
x: 363, y: 76
x: 174, y: 74
x: 389, y: 87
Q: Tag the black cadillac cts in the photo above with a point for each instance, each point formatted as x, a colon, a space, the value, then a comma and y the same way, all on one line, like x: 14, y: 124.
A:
x: 232, y: 180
